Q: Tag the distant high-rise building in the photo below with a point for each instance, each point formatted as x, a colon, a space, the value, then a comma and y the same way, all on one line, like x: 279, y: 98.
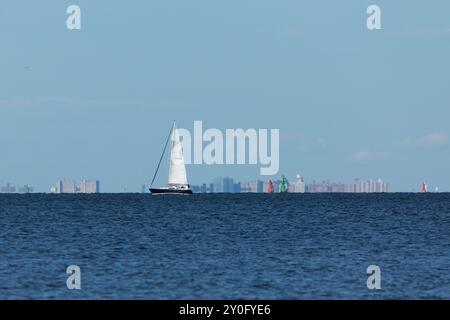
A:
x: 8, y: 188
x: 89, y: 186
x: 298, y: 185
x: 203, y: 188
x: 70, y: 186
x: 66, y: 186
x: 228, y: 184
x: 357, y: 186
x: 255, y: 186
x: 25, y: 189
x: 223, y: 184
x: 218, y: 185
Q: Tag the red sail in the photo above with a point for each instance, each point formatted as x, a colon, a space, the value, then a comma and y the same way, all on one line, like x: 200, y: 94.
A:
x: 424, y: 187
x: 270, y: 189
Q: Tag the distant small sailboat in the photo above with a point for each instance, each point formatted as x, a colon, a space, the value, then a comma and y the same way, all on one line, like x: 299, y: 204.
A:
x: 284, y: 185
x: 270, y: 188
x: 424, y: 187
x: 177, y: 182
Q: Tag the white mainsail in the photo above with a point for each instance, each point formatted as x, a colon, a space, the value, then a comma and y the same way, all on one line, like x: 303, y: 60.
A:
x: 177, y: 169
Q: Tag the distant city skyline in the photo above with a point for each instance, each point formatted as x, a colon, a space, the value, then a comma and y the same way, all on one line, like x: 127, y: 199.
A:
x: 295, y: 185
x: 71, y: 186
x: 348, y: 101
x: 229, y: 184
x: 10, y: 188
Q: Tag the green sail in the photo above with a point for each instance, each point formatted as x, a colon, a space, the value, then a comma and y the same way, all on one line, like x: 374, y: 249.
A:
x: 284, y: 184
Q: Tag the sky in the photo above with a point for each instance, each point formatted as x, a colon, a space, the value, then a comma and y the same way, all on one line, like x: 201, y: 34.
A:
x: 97, y: 103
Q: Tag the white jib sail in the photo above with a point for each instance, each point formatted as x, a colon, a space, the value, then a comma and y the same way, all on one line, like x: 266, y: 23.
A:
x: 177, y: 169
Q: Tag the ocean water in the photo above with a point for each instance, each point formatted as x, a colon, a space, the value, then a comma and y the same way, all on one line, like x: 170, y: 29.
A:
x: 225, y: 246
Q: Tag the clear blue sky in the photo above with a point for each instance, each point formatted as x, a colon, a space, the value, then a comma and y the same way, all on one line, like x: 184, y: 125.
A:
x: 349, y: 102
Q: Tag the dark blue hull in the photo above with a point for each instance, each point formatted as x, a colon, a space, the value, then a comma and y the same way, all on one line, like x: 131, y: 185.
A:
x: 169, y: 191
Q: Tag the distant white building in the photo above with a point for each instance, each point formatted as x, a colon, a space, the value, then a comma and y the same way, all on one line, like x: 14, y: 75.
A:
x: 370, y: 186
x: 299, y: 185
x: 66, y: 186
x: 70, y: 186
x: 90, y: 186
x: 8, y: 188
x: 255, y: 186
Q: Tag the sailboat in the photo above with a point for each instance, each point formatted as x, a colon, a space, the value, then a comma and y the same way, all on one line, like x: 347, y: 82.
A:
x: 284, y: 185
x: 177, y: 182
x: 270, y: 188
x: 424, y: 187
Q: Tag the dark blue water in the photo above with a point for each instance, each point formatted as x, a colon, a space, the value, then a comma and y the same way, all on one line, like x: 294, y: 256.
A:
x: 233, y: 246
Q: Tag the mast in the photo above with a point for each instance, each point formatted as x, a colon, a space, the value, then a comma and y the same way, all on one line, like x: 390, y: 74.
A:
x: 162, y: 155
